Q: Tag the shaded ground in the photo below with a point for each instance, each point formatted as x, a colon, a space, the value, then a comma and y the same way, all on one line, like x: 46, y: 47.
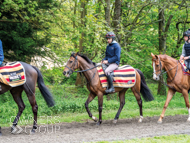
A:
x: 86, y: 132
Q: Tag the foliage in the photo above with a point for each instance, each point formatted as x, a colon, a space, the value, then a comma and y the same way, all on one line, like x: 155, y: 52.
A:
x: 20, y: 22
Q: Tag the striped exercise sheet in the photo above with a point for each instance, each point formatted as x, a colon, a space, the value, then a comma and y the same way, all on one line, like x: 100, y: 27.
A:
x: 184, y: 68
x: 12, y: 74
x: 124, y: 76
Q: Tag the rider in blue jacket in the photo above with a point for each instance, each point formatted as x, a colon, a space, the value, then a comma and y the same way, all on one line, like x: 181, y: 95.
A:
x: 1, y: 54
x: 111, y: 60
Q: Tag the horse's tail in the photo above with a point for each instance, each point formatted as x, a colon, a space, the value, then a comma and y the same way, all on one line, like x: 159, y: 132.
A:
x: 43, y: 89
x: 145, y: 91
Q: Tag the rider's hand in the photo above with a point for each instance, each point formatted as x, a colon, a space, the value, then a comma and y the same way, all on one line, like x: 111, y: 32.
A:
x: 105, y: 61
x: 186, y: 58
x: 181, y: 58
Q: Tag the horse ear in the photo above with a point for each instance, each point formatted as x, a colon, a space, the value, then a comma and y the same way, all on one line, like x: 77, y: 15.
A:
x: 152, y: 55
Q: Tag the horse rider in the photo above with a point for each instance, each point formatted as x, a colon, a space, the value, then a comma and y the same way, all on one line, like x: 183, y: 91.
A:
x: 186, y: 49
x: 1, y: 54
x: 111, y: 60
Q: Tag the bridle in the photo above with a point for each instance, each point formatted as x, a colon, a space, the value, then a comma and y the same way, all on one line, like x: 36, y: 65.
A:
x: 162, y: 73
x: 71, y: 69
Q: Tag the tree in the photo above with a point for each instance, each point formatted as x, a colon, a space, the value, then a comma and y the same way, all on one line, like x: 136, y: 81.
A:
x: 20, y: 22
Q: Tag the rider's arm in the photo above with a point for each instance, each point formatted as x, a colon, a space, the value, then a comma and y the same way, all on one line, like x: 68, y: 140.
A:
x: 183, y: 53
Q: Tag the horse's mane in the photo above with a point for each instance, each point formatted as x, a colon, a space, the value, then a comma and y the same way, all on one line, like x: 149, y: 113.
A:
x: 85, y: 58
x: 165, y: 57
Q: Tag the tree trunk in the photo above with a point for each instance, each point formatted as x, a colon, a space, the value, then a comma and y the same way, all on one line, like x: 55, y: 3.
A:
x: 81, y: 79
x: 162, y: 32
x: 116, y: 18
x: 161, y: 87
x: 107, y: 12
x: 162, y: 45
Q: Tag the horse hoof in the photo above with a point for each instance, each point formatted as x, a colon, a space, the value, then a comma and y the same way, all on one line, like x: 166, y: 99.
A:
x: 13, y: 130
x: 140, y: 119
x: 32, y: 132
x: 94, y: 119
x: 98, y: 124
x: 114, y: 121
x: 188, y: 120
x: 159, y: 122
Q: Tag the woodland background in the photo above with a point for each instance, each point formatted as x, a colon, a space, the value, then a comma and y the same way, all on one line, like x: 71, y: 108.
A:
x: 65, y: 26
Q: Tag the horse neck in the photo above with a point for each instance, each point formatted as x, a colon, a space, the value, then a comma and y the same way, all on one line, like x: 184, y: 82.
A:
x: 84, y: 65
x: 168, y: 65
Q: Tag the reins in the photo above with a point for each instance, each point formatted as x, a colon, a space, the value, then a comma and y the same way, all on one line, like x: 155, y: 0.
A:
x: 80, y: 71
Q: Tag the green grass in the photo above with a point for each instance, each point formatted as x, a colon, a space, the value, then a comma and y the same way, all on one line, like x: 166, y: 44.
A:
x: 160, y: 139
x: 70, y: 106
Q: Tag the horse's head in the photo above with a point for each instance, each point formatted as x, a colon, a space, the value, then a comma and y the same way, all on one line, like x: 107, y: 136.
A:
x: 157, y: 65
x: 72, y: 65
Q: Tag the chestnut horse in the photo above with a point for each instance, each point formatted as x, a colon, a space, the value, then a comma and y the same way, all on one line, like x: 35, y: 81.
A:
x: 177, y: 81
x: 33, y: 76
x: 78, y: 61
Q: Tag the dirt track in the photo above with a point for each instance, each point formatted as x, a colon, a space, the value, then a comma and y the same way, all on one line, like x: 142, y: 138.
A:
x: 86, y: 132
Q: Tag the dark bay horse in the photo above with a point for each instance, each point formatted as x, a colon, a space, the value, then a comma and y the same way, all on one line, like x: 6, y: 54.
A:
x: 78, y: 61
x: 33, y: 76
x: 177, y: 81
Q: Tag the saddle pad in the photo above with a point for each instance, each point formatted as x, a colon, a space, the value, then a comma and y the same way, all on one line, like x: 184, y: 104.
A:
x: 12, y: 74
x: 184, y: 68
x: 124, y: 76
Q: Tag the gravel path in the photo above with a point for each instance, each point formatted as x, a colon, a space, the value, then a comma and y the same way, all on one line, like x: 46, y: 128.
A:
x: 108, y: 131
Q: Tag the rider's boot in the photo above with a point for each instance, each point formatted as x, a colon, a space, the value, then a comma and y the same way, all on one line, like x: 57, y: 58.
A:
x: 110, y: 83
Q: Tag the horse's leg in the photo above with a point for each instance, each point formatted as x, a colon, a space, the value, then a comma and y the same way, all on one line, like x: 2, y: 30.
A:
x: 17, y: 96
x: 31, y: 97
x: 136, y: 92
x: 169, y: 97
x: 122, y: 103
x: 186, y: 97
x: 100, y: 104
x: 90, y: 98
x: 3, y: 88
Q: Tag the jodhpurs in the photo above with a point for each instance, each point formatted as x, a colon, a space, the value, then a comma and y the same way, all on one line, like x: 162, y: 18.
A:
x: 110, y: 68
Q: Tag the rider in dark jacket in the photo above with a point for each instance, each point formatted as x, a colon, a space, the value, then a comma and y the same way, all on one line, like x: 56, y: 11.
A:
x: 186, y: 49
x: 112, y: 59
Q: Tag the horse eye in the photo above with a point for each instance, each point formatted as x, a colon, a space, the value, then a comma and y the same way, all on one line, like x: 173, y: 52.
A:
x: 70, y: 61
x: 157, y: 65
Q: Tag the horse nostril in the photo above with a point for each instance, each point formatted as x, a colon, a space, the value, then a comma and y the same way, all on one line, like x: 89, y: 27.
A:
x: 64, y: 73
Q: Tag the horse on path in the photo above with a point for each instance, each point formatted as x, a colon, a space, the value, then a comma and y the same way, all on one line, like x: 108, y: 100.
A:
x: 78, y: 61
x: 33, y: 76
x: 177, y: 80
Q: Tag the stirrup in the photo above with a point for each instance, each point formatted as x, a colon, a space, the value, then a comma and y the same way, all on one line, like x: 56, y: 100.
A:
x: 110, y: 90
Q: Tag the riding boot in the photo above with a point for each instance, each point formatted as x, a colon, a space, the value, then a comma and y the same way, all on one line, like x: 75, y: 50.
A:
x: 110, y: 83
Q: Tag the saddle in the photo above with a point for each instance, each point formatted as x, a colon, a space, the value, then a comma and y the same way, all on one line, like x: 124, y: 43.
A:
x: 124, y: 76
x: 184, y: 68
x: 12, y: 74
